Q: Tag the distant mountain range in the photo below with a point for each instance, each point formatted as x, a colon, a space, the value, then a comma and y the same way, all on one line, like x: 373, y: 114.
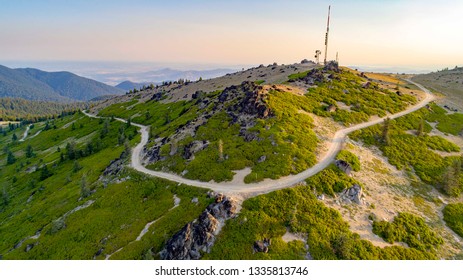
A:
x: 34, y: 84
x: 128, y: 85
x: 168, y: 74
x: 140, y: 78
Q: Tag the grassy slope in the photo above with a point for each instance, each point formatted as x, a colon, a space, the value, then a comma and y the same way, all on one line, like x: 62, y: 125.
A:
x: 297, y: 210
x: 120, y: 210
x: 363, y: 101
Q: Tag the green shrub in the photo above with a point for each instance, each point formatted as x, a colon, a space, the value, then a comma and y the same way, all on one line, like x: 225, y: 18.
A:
x: 410, y: 229
x: 350, y: 158
x: 453, y: 216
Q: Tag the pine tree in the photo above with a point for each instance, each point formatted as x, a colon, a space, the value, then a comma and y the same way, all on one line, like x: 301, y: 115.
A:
x: 71, y: 150
x: 14, y: 138
x: 10, y: 159
x: 29, y: 151
x: 76, y: 167
x: 420, y: 131
x: 105, y: 130
x: 44, y: 173
x: 84, y: 191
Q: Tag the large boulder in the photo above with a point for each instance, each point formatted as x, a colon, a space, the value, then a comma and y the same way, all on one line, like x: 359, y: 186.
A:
x: 344, y: 166
x: 352, y: 195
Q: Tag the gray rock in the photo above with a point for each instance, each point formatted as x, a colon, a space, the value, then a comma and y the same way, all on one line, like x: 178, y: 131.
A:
x: 29, y: 247
x: 199, y: 235
x: 352, y: 195
x: 194, y: 200
x: 262, y: 159
x: 366, y: 85
x: 261, y: 246
x: 193, y: 148
x: 344, y: 166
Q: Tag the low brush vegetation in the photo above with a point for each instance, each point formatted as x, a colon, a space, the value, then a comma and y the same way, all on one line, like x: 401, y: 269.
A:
x: 285, y: 144
x: 453, y: 217
x: 451, y: 123
x: 331, y: 180
x: 297, y: 210
x: 409, y: 229
x: 415, y: 150
x: 364, y: 98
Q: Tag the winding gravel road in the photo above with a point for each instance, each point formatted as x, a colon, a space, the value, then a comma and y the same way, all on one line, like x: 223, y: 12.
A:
x: 268, y: 185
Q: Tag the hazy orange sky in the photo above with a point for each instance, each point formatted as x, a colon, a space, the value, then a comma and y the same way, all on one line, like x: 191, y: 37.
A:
x: 420, y: 33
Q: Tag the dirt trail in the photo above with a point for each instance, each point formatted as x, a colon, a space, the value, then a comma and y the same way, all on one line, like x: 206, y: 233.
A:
x: 268, y: 185
x: 25, y: 134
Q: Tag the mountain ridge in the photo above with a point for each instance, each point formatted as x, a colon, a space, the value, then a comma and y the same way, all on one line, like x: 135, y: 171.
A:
x: 35, y: 84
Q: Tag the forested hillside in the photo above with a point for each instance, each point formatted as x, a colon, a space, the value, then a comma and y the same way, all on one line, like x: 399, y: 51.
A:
x: 18, y: 109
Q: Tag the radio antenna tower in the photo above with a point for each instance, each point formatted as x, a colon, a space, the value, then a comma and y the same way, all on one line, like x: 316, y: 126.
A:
x: 326, y: 35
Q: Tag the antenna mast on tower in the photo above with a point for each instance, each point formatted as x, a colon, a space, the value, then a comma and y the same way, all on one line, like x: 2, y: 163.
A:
x: 326, y: 35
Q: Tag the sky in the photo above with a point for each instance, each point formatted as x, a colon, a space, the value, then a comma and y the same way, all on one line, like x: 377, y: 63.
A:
x: 411, y: 33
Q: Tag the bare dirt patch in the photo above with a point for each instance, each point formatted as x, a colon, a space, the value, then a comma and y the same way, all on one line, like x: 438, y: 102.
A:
x: 286, y: 88
x: 324, y: 128
x: 388, y: 191
x: 289, y: 236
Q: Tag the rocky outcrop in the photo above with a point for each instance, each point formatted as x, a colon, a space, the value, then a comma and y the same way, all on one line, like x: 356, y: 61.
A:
x: 251, y: 100
x: 344, y: 166
x: 194, y: 147
x: 318, y: 75
x: 331, y: 66
x: 261, y: 246
x: 244, y: 104
x: 112, y: 171
x: 199, y: 236
x: 114, y: 167
x: 352, y: 195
